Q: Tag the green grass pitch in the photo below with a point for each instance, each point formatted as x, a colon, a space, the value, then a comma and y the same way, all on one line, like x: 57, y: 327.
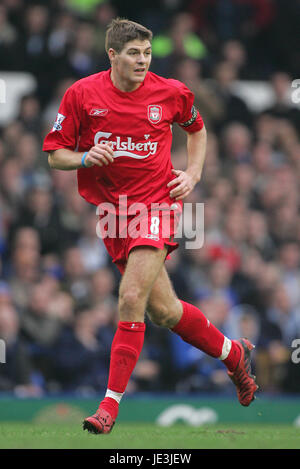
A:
x: 20, y: 435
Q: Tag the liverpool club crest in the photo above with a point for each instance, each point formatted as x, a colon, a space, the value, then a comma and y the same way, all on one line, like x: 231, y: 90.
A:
x: 154, y: 113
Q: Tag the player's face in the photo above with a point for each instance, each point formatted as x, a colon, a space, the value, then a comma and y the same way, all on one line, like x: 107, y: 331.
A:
x: 129, y: 67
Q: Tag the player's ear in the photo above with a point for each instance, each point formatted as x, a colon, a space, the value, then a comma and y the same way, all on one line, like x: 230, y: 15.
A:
x: 112, y: 54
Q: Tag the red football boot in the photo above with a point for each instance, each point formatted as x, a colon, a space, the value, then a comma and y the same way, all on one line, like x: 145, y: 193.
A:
x: 100, y: 422
x: 241, y: 376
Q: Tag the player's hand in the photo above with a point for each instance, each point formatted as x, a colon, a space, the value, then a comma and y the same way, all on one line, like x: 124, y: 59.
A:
x: 99, y: 155
x: 184, y: 183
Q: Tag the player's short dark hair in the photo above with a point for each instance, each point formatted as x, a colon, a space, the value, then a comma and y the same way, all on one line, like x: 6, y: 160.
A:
x: 120, y: 31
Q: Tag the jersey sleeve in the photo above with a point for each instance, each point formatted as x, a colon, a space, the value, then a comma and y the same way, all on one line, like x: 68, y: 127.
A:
x: 66, y: 129
x: 187, y: 116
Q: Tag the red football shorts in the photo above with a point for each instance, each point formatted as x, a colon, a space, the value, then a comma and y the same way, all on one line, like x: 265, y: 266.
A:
x: 156, y: 227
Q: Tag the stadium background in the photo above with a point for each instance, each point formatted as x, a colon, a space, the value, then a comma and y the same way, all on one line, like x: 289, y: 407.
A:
x: 58, y: 289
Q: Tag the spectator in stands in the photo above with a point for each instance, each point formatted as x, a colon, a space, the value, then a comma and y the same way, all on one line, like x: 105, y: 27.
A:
x: 62, y: 306
x: 283, y: 107
x: 234, y: 52
x: 258, y: 236
x: 29, y: 114
x: 81, y: 57
x: 8, y: 39
x: 94, y: 254
x: 11, y: 184
x: 80, y: 360
x: 61, y: 36
x: 72, y: 211
x: 33, y: 44
x: 218, y: 282
x: 16, y: 372
x: 245, y: 281
x: 23, y: 267
x: 289, y: 264
x: 40, y: 212
x: 284, y: 326
x: 39, y: 327
x: 75, y: 279
x: 283, y: 222
x: 27, y: 150
x: 179, y: 41
x: 103, y: 286
x: 237, y: 144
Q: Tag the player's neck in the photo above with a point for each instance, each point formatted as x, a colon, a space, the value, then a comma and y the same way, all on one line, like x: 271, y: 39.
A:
x: 122, y: 84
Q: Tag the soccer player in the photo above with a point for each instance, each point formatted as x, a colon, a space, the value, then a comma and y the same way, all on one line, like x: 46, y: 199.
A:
x: 115, y: 129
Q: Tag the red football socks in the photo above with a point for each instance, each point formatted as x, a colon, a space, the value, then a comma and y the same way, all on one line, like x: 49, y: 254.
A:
x: 125, y: 350
x: 195, y: 329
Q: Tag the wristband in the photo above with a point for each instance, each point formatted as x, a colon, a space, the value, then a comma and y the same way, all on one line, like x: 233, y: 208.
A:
x: 83, y: 158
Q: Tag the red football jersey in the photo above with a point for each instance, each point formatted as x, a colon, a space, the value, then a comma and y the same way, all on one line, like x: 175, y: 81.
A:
x: 139, y: 125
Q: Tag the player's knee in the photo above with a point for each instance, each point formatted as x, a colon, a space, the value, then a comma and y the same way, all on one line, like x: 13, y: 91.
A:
x: 162, y: 316
x: 131, y: 304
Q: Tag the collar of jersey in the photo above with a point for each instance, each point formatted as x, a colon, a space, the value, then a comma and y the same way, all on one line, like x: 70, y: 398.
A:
x: 125, y: 93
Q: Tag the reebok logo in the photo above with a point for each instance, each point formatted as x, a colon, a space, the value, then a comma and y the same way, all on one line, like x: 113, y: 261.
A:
x: 137, y: 150
x: 151, y: 236
x: 98, y: 112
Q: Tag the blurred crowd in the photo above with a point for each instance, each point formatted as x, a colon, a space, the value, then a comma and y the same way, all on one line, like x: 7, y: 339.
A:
x: 59, y: 289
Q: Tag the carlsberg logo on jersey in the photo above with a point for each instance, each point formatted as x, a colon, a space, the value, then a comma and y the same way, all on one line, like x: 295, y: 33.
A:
x: 127, y: 147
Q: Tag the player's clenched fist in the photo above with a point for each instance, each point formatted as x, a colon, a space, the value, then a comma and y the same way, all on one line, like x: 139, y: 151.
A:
x: 99, y: 155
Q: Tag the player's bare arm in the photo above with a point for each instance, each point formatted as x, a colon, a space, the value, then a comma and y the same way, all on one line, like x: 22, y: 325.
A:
x: 186, y: 180
x: 65, y: 159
